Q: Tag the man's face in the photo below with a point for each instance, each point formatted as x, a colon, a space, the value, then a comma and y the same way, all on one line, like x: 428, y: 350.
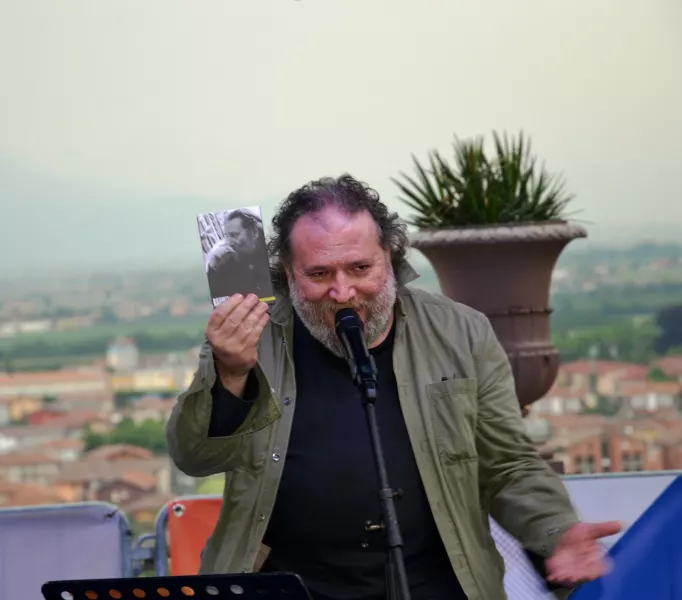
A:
x: 237, y: 234
x: 338, y: 262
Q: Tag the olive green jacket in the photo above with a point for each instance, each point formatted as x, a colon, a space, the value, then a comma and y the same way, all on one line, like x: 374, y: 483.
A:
x: 467, y: 434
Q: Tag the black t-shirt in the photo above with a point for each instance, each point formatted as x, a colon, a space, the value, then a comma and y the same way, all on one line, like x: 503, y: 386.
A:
x: 329, y: 487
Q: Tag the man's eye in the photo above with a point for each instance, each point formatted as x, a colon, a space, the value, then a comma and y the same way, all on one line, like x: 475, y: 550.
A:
x: 361, y: 268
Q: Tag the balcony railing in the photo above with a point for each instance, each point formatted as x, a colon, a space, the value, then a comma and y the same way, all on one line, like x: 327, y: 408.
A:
x: 93, y: 540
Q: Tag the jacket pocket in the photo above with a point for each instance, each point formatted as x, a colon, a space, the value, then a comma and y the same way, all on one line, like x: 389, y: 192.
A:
x: 254, y: 449
x: 453, y: 414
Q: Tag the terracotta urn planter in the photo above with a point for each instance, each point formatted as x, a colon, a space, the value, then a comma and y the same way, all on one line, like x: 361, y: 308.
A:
x: 505, y: 272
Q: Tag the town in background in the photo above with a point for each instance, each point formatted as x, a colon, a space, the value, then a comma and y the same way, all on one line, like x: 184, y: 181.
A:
x: 90, y: 368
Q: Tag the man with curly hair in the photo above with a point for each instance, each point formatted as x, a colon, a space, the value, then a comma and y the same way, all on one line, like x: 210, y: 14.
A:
x: 274, y: 408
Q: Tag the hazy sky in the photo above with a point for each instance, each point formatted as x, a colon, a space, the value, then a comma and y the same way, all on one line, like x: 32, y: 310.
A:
x: 119, y: 121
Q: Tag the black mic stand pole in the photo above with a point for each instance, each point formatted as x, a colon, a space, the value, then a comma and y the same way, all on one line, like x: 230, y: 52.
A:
x: 397, y: 585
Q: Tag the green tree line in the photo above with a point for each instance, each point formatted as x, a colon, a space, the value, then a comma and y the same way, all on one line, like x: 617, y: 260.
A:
x: 610, y: 305
x: 148, y: 434
x: 94, y: 342
x: 626, y: 341
x: 622, y: 322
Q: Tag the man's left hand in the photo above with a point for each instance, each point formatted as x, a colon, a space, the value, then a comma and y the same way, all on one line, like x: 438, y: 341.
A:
x: 579, y: 556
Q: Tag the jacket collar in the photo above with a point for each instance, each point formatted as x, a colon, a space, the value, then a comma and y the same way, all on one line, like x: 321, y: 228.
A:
x: 281, y: 312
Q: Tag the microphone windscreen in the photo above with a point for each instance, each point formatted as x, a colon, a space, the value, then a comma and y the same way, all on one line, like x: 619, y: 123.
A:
x: 348, y: 318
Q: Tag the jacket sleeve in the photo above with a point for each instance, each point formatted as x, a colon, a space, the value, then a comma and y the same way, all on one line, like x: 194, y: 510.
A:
x: 525, y: 496
x: 192, y: 448
x: 228, y: 412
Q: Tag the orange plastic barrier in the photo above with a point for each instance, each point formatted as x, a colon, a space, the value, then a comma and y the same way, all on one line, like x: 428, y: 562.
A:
x: 190, y: 523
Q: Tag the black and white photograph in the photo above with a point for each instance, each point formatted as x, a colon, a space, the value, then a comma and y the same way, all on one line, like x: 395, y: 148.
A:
x: 235, y: 253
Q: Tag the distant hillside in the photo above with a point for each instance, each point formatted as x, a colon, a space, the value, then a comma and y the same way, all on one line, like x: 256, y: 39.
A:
x: 578, y: 255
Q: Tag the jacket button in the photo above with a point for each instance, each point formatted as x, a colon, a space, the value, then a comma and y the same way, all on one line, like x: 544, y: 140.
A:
x: 261, y: 517
x: 287, y: 401
x: 275, y: 457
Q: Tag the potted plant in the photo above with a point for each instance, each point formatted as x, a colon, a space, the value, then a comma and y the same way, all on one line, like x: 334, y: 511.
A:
x: 493, y: 225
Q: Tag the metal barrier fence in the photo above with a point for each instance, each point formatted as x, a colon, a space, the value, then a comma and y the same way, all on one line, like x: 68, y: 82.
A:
x: 601, y: 497
x: 93, y: 539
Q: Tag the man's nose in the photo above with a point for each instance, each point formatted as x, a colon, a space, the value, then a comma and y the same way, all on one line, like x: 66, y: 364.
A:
x: 342, y: 291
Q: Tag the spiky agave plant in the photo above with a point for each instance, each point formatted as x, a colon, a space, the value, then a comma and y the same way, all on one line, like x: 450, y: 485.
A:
x: 477, y: 189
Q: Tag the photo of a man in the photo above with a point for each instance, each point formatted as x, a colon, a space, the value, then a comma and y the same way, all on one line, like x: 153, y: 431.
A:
x: 235, y: 253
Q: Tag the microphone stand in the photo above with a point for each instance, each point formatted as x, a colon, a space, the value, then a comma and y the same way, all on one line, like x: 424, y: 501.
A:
x: 365, y: 378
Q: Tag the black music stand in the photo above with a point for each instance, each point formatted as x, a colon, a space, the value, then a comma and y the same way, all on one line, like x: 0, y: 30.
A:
x: 241, y: 586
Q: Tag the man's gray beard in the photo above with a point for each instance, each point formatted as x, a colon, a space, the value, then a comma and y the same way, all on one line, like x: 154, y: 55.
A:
x: 379, y: 310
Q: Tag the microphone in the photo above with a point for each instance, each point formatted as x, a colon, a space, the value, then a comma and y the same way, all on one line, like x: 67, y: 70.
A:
x: 351, y: 332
